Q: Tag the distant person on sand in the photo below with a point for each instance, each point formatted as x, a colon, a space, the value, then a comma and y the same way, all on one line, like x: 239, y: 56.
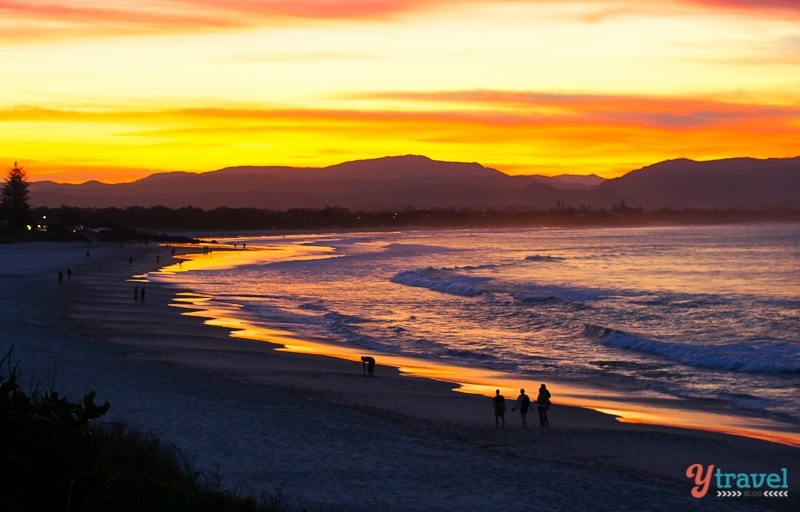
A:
x: 136, y: 294
x: 130, y: 260
x: 369, y: 365
x: 499, y: 409
x: 60, y: 277
x: 543, y: 404
x: 69, y: 274
x: 142, y: 293
x: 523, y: 404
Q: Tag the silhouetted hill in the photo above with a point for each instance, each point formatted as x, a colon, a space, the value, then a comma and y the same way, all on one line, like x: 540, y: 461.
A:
x: 730, y: 183
x: 419, y: 182
x: 391, y: 182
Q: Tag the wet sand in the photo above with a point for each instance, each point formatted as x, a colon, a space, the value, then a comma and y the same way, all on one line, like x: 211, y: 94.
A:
x: 317, y: 429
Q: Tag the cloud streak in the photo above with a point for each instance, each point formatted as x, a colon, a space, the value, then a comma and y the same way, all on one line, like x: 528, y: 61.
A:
x: 51, y: 19
x: 36, y: 19
x: 514, y: 131
x: 655, y: 111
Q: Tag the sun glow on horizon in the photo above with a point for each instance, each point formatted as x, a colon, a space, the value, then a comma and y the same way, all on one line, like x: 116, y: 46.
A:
x: 584, y: 86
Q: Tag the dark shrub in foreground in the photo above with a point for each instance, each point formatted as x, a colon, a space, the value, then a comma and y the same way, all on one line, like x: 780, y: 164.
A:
x: 53, y: 459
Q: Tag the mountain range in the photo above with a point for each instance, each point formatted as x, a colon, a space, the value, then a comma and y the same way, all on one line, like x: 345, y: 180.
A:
x: 419, y: 182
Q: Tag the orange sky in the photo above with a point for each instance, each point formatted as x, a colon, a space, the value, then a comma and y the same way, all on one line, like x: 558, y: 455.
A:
x: 124, y: 88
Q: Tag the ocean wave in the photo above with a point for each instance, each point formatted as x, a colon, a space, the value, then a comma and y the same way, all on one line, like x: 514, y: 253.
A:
x: 557, y: 295
x: 272, y: 315
x: 415, y: 249
x: 333, y: 316
x: 543, y: 259
x: 745, y: 356
x: 449, y: 280
x: 461, y: 353
x: 316, y: 305
x: 685, y: 302
x: 442, y: 281
x: 476, y: 267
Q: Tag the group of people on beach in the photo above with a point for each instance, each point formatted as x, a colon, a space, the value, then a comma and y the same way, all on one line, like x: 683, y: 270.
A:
x: 523, y: 403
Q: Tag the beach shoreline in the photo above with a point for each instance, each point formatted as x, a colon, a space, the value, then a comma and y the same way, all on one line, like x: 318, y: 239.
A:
x: 626, y: 403
x: 176, y: 367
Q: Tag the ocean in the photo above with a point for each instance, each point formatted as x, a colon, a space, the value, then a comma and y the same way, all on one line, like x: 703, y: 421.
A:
x: 698, y: 313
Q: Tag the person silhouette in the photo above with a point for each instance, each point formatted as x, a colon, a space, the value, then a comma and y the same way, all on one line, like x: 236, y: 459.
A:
x: 543, y: 404
x: 369, y: 365
x: 523, y: 404
x: 136, y: 294
x: 60, y: 277
x: 499, y: 403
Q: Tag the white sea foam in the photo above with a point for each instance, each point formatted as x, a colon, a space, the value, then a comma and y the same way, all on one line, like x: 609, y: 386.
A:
x: 442, y: 281
x: 455, y: 283
x: 749, y: 357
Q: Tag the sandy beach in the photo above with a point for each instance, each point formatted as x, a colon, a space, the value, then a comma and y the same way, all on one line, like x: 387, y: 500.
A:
x: 316, y: 428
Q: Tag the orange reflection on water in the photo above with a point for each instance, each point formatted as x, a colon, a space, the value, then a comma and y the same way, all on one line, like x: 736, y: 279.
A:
x: 750, y: 426
x: 221, y: 256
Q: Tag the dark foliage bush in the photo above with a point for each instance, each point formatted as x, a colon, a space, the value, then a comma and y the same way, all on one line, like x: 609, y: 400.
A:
x: 47, y: 455
x: 53, y: 459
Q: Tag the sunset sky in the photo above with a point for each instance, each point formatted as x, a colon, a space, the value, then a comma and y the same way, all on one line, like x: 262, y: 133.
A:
x: 119, y: 89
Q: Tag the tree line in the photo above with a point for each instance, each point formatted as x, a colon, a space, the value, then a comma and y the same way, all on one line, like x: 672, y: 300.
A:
x: 160, y: 218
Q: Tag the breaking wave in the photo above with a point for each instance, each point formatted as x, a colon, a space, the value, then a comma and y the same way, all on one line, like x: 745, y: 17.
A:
x: 748, y: 357
x: 442, y: 281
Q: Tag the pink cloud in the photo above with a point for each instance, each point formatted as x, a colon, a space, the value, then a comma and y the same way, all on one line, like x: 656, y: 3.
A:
x: 37, y: 19
x: 63, y: 18
x: 749, y: 5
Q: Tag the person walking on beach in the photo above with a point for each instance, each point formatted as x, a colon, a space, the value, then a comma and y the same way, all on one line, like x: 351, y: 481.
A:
x: 523, y: 404
x: 142, y: 293
x: 499, y: 409
x: 60, y: 277
x: 136, y: 294
x: 543, y: 404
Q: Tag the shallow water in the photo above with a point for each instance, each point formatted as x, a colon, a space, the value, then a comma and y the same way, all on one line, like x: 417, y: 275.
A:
x: 709, y: 313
